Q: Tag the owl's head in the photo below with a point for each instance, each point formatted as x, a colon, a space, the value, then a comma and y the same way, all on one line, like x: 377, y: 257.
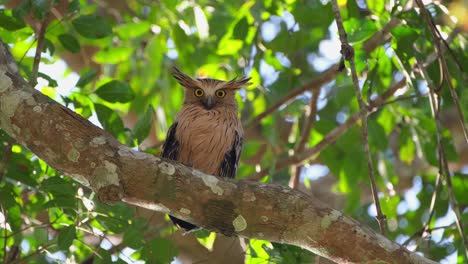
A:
x: 209, y: 93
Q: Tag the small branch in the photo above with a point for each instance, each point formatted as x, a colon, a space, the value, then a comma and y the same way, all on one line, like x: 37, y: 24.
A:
x: 5, y: 240
x: 308, y: 122
x: 444, y: 67
x: 5, y: 158
x: 314, y: 85
x: 326, y: 76
x: 295, y: 176
x: 443, y: 164
x: 32, y: 254
x: 331, y: 137
x: 40, y: 45
x: 348, y: 53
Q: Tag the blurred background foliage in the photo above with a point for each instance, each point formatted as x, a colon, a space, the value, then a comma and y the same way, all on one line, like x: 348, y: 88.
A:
x: 111, y: 61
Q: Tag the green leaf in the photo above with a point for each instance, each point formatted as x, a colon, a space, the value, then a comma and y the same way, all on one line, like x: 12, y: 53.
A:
x: 74, y: 6
x: 159, y: 250
x: 22, y: 9
x: 229, y: 46
x: 52, y: 82
x: 9, y: 22
x: 143, y: 126
x: 66, y: 237
x: 241, y: 29
x: 376, y: 6
x: 39, y: 8
x: 134, y: 237
x: 92, y: 26
x: 102, y: 257
x: 109, y: 119
x: 113, y: 55
x: 86, y: 78
x: 115, y: 91
x: 132, y: 30
x: 58, y: 186
x: 359, y: 30
x: 460, y: 188
x: 407, y: 147
x: 69, y: 42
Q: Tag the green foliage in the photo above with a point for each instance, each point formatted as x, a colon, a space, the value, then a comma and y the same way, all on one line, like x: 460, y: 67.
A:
x: 92, y: 26
x: 115, y: 91
x: 69, y: 42
x: 120, y: 58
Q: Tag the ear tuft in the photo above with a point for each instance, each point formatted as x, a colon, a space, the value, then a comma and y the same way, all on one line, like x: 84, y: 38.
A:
x: 184, y: 80
x: 238, y: 83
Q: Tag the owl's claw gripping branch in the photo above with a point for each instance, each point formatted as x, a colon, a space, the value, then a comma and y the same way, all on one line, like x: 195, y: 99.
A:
x: 79, y: 149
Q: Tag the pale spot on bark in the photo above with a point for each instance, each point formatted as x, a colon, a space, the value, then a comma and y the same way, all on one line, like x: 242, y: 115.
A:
x: 264, y: 218
x: 37, y: 109
x: 210, y: 181
x: 80, y: 178
x: 73, y: 155
x: 101, y: 140
x: 146, y: 204
x: 128, y: 152
x: 104, y: 176
x: 166, y: 168
x: 328, y: 219
x: 158, y: 207
x: 8, y: 104
x: 239, y: 223
x: 5, y: 81
x: 387, y: 244
x: 185, y: 211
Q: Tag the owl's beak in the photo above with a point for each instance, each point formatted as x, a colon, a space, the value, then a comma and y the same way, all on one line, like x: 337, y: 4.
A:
x: 209, y: 102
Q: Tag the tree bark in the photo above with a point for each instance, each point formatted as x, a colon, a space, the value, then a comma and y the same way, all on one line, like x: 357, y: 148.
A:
x: 77, y: 148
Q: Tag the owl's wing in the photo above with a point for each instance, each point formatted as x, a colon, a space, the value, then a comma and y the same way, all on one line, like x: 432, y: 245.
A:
x: 171, y: 151
x: 171, y: 145
x: 231, y: 158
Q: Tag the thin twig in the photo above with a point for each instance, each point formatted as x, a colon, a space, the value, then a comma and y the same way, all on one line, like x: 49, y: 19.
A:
x: 348, y: 54
x: 5, y: 158
x: 308, y: 122
x: 32, y: 254
x: 443, y: 164
x: 326, y: 76
x: 5, y: 240
x: 40, y: 44
x: 403, y: 98
x: 423, y: 231
x: 331, y: 137
x: 295, y: 176
x: 444, y: 67
x: 313, y: 85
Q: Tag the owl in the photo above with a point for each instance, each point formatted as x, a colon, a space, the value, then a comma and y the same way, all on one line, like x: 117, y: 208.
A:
x: 207, y: 134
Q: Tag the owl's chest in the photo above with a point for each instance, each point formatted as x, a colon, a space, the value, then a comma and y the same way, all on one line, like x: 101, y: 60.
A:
x: 204, y: 138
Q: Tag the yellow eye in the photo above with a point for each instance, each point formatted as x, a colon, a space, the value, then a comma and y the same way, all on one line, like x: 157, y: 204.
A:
x: 199, y: 92
x: 220, y: 93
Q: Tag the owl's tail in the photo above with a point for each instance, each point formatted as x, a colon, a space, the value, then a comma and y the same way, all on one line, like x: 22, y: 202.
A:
x: 184, y: 225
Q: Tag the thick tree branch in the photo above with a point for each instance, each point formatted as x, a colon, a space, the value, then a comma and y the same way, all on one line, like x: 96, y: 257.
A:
x: 116, y: 173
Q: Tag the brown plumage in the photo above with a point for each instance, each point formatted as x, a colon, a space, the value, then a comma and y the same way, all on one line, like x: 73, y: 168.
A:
x: 207, y: 134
